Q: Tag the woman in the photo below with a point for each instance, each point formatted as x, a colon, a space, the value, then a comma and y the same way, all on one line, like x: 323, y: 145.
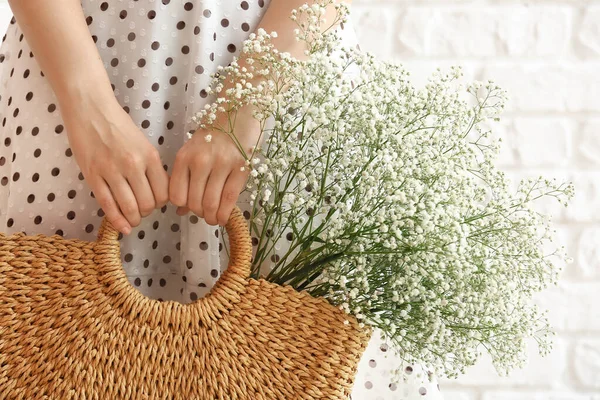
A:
x: 95, y: 101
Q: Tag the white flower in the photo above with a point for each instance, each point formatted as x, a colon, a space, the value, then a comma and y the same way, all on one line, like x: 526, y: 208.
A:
x: 207, y: 138
x: 422, y: 235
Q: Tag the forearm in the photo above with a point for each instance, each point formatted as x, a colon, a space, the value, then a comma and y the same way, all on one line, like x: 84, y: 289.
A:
x: 277, y: 18
x: 57, y: 34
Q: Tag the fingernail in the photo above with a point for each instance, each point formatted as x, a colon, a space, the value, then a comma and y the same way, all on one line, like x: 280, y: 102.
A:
x: 126, y: 230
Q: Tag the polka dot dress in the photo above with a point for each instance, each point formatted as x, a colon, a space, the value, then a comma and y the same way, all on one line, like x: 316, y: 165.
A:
x: 159, y: 55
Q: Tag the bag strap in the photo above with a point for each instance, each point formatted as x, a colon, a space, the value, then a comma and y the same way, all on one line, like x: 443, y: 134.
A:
x: 240, y: 255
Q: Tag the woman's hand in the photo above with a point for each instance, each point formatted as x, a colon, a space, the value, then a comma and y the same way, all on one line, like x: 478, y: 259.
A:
x: 118, y: 162
x: 206, y: 176
x: 123, y: 169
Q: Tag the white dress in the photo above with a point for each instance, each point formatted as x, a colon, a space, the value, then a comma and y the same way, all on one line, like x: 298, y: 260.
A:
x: 159, y: 55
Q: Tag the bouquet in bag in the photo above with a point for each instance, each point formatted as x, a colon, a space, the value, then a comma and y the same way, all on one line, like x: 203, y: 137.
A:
x: 389, y: 198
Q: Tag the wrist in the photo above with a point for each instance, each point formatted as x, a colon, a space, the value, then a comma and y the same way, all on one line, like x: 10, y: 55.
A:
x: 81, y: 90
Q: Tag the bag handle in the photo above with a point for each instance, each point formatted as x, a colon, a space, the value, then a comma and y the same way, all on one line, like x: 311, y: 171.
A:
x: 224, y: 293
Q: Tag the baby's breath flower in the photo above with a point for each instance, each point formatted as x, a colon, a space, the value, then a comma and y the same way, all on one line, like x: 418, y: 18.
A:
x: 390, y: 199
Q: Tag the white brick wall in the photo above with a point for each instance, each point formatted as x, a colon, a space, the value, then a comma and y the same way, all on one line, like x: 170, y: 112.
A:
x: 547, y: 54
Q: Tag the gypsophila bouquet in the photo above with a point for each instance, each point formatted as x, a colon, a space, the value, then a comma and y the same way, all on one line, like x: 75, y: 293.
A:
x: 389, y: 198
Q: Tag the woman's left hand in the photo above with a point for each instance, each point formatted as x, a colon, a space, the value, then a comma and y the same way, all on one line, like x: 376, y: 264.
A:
x: 206, y: 176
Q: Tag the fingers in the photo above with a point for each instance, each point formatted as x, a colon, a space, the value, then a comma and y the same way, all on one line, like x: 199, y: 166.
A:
x: 125, y: 199
x: 143, y: 193
x: 181, y: 211
x: 106, y: 200
x: 158, y: 180
x: 231, y: 191
x: 212, y: 194
x: 198, y: 180
x: 179, y: 181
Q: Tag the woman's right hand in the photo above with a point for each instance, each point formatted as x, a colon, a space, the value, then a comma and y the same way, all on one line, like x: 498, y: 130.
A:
x: 123, y: 169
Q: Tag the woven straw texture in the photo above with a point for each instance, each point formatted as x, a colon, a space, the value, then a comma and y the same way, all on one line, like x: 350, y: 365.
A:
x: 73, y: 327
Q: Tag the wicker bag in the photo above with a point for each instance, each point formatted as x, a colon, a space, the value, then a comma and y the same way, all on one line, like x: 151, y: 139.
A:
x: 73, y: 327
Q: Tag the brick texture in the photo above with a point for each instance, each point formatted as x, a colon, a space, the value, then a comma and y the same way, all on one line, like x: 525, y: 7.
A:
x: 546, y: 53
